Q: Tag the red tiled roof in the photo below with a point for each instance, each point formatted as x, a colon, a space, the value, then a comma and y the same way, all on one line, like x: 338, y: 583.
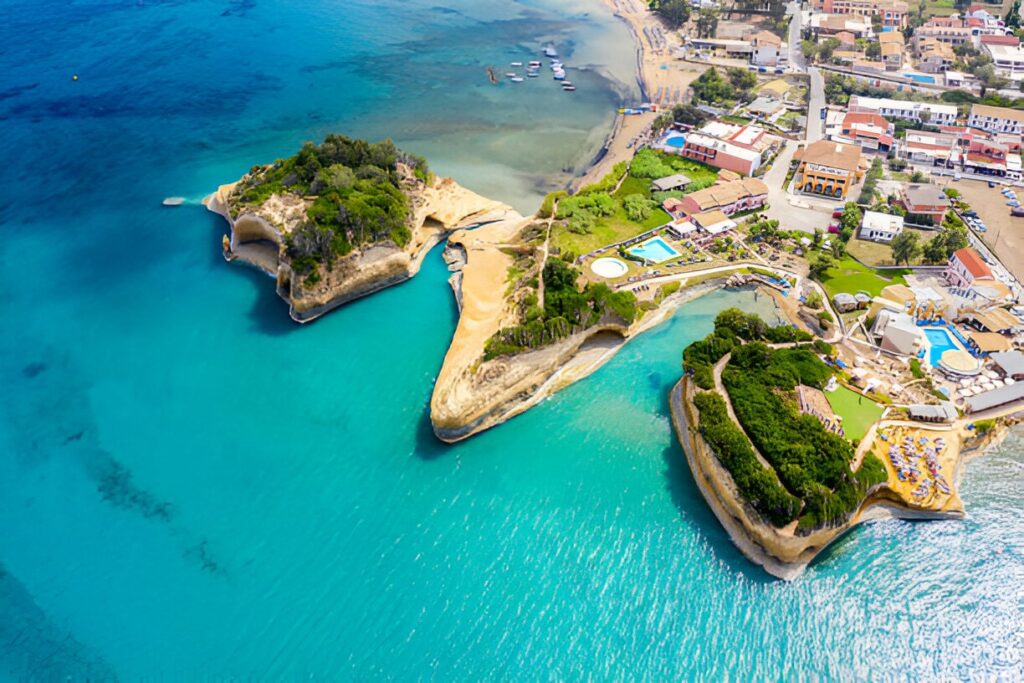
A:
x: 1000, y: 40
x: 973, y: 263
x: 870, y: 118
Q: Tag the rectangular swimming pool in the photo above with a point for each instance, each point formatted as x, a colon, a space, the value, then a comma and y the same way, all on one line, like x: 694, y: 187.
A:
x: 654, y: 250
x: 939, y: 341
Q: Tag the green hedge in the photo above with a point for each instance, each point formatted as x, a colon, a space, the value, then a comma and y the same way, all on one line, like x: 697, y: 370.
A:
x: 813, y: 463
x: 758, y: 485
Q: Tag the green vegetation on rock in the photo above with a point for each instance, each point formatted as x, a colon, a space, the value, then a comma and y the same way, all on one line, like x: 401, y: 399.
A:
x: 565, y: 310
x: 356, y: 197
x: 812, y: 463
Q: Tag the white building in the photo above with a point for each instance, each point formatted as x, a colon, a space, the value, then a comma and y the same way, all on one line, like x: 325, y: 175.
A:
x: 996, y: 119
x: 769, y: 50
x: 1007, y: 59
x: 898, y: 333
x: 937, y: 114
x: 966, y: 267
x: 880, y: 227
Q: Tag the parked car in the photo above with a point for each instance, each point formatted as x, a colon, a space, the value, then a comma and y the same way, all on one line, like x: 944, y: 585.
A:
x: 991, y: 183
x: 838, y: 213
x: 971, y: 214
x: 834, y: 228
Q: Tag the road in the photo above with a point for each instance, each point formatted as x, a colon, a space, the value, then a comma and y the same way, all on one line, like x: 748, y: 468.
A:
x: 816, y: 93
x: 815, y: 105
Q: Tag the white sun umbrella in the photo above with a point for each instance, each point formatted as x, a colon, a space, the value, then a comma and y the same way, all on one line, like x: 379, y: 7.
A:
x: 988, y: 386
x: 966, y: 382
x: 1009, y: 381
x: 991, y: 375
x: 977, y: 390
x: 998, y: 383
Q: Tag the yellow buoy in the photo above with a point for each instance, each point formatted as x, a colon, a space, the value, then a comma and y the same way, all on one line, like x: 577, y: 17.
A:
x: 74, y: 77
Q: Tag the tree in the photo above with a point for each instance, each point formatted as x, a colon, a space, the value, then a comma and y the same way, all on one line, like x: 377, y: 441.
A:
x: 851, y: 218
x: 741, y: 79
x: 873, y: 50
x: 826, y: 48
x: 934, y: 250
x: 820, y: 264
x: 989, y: 78
x: 919, y: 176
x: 637, y: 207
x: 1013, y: 16
x: 581, y: 222
x: 906, y: 247
x: 711, y: 87
x: 689, y: 115
x: 675, y: 13
x: 707, y: 22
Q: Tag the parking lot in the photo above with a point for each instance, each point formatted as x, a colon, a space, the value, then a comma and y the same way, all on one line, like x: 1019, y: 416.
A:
x: 1005, y: 233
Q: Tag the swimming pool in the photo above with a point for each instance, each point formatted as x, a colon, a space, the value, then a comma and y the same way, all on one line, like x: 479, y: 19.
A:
x: 939, y: 341
x: 655, y: 250
x: 676, y: 141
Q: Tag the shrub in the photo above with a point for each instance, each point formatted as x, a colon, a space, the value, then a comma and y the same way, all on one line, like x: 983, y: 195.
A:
x: 757, y: 485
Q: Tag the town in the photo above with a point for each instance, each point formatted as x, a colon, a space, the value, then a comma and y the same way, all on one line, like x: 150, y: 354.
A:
x: 856, y: 161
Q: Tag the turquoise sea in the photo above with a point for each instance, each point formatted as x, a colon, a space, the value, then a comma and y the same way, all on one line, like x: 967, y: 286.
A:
x: 193, y: 487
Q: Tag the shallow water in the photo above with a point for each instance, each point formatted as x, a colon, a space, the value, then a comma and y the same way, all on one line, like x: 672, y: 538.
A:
x: 191, y: 485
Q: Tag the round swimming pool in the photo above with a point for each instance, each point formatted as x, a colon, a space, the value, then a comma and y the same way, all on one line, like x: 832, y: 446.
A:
x: 676, y: 141
x: 609, y: 267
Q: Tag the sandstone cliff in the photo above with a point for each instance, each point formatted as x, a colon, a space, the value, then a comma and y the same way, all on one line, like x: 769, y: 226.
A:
x: 258, y: 235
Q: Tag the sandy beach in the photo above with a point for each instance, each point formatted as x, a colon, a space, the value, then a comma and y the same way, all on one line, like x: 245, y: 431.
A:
x: 664, y: 78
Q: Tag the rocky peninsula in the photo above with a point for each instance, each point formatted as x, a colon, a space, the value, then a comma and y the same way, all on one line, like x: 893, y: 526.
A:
x: 346, y: 218
x: 299, y: 226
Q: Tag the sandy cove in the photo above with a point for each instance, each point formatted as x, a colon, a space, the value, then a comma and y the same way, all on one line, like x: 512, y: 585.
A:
x: 257, y: 237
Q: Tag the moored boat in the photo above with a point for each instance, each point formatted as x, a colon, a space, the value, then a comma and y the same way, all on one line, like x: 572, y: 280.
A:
x: 516, y: 79
x: 515, y: 64
x: 569, y: 88
x: 173, y: 201
x: 559, y: 76
x: 550, y: 51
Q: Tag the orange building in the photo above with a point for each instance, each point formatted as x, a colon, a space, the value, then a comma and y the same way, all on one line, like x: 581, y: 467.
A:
x: 828, y: 168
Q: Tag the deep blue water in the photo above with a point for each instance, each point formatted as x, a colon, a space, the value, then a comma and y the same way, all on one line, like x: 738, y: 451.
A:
x: 192, y: 486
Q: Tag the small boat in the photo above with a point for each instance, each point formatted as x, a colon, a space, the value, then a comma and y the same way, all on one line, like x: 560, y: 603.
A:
x: 535, y: 64
x: 556, y: 65
x: 569, y: 88
x: 173, y: 201
x: 559, y: 76
x: 532, y: 74
x: 1017, y: 212
x: 516, y: 79
x: 511, y: 74
x: 550, y: 51
x: 515, y: 63
x: 565, y: 83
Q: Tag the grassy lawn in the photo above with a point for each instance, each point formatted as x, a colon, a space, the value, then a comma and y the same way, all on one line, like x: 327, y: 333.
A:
x: 858, y: 413
x: 614, y: 228
x: 939, y: 8
x: 634, y: 185
x: 878, y: 253
x: 852, y: 277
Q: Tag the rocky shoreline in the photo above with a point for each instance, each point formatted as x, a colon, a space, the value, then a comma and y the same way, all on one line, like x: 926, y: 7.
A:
x: 257, y: 238
x: 780, y: 553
